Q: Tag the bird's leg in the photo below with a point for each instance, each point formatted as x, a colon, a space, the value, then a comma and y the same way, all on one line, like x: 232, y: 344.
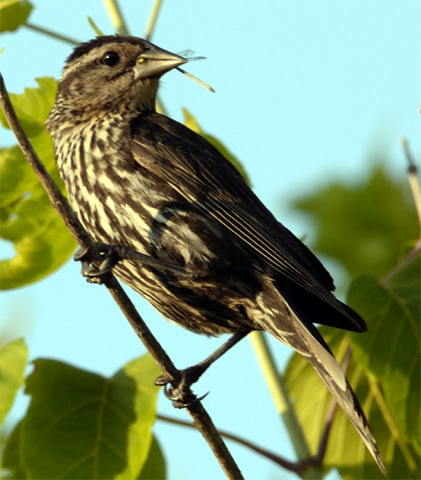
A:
x: 178, y: 391
x: 107, y: 256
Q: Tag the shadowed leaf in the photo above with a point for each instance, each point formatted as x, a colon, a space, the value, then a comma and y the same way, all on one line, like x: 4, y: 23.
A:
x: 81, y: 425
x: 363, y: 225
x: 346, y: 451
x: 392, y: 350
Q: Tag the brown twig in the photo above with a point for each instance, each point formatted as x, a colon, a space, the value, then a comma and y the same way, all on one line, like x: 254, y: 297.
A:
x: 412, y: 176
x: 297, y: 467
x: 200, y: 417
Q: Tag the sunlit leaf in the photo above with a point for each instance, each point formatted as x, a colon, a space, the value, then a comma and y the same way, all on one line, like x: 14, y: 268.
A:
x: 41, y: 242
x: 33, y: 106
x: 40, y: 238
x: 13, y: 358
x: 13, y: 14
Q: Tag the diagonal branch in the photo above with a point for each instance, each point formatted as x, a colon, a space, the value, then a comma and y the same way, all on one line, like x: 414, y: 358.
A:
x: 200, y: 417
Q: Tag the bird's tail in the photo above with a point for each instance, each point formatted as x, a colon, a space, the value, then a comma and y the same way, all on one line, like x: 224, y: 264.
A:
x: 285, y: 325
x: 352, y: 409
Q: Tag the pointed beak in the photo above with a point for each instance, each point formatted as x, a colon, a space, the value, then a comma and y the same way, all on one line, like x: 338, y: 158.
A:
x: 155, y: 61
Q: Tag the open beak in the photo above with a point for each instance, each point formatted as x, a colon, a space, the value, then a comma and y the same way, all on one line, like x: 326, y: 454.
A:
x: 155, y: 61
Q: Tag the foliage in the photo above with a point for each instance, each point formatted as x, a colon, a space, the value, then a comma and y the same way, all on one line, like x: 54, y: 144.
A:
x: 364, y: 226
x: 82, y: 425
x: 385, y: 379
x: 13, y: 14
x: 27, y: 219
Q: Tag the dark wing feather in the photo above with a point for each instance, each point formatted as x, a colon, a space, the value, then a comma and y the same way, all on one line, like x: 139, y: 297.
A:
x: 196, y: 170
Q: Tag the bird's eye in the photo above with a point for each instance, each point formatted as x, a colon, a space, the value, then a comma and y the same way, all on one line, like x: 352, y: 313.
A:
x: 110, y: 59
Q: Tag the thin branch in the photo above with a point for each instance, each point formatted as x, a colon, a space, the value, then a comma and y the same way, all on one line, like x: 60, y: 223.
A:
x: 50, y: 33
x: 152, y: 19
x: 297, y: 467
x: 116, y: 16
x: 416, y: 250
x: 280, y: 394
x: 416, y: 193
x: 412, y: 175
x: 200, y: 417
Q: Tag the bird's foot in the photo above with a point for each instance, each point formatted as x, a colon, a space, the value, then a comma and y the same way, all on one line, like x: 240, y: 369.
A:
x: 105, y: 255
x: 178, y: 391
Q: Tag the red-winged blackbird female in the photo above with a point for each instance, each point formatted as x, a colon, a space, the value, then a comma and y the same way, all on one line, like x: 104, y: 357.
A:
x: 141, y: 180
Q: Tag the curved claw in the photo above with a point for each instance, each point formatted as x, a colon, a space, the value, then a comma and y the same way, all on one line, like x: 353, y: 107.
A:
x: 179, y: 391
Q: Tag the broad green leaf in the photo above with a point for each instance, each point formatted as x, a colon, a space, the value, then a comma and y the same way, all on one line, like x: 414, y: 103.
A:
x: 17, y: 176
x: 13, y: 14
x: 346, y: 451
x: 40, y: 238
x: 11, y: 459
x: 191, y: 122
x: 33, y: 106
x: 154, y: 468
x: 13, y: 358
x: 363, y: 225
x: 81, y: 425
x: 392, y: 350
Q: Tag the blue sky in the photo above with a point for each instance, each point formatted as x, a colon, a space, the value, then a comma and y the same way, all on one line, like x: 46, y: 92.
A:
x: 305, y: 91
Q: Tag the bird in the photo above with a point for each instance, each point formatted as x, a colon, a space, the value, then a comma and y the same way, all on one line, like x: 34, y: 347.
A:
x: 138, y: 179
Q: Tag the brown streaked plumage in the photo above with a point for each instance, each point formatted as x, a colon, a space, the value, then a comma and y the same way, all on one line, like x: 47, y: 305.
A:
x: 139, y: 179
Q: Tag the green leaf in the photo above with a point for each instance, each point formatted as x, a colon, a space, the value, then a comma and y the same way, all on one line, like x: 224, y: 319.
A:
x: 346, y: 451
x: 13, y: 358
x: 364, y: 225
x: 81, y: 425
x: 154, y: 468
x: 40, y: 238
x: 392, y: 351
x: 11, y: 458
x: 17, y: 176
x: 33, y: 106
x: 41, y: 241
x: 13, y: 14
x: 191, y: 122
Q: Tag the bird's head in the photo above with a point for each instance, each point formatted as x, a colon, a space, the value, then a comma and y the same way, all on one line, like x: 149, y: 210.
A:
x: 112, y: 73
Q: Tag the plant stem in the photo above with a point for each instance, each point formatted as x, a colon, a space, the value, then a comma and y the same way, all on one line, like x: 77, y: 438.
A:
x: 50, y: 33
x: 153, y: 19
x: 413, y: 180
x: 282, y: 399
x: 116, y: 17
